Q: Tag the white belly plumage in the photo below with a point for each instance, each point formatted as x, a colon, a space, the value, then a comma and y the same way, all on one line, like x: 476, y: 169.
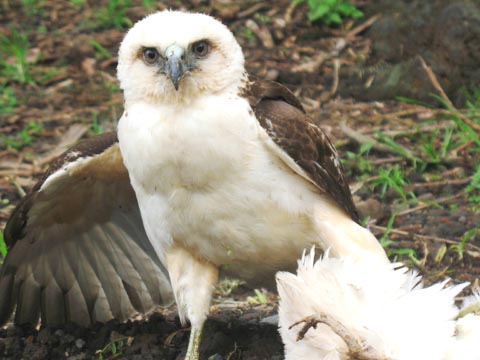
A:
x: 206, y: 181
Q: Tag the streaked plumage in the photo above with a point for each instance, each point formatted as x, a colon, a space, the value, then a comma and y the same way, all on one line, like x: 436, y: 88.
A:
x: 384, y: 308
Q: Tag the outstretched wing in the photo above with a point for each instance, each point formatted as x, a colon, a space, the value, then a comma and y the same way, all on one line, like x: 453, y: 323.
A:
x: 302, y: 144
x: 78, y: 251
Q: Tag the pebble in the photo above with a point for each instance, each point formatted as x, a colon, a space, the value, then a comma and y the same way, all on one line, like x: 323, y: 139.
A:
x: 216, y: 357
x: 80, y: 343
x: 270, y: 320
x: 13, y: 331
x: 43, y: 336
x: 81, y: 356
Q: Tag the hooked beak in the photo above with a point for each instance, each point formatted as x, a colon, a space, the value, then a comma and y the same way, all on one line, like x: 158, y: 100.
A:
x: 175, y: 67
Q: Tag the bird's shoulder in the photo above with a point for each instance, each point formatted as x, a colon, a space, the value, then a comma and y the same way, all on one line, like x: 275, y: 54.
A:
x: 284, y: 119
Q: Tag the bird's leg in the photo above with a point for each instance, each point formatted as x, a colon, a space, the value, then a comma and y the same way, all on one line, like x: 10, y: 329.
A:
x: 357, y: 349
x: 193, y: 352
x: 310, y: 321
x: 193, y: 281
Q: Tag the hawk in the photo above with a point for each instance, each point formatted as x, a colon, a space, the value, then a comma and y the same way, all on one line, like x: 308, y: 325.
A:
x: 230, y: 174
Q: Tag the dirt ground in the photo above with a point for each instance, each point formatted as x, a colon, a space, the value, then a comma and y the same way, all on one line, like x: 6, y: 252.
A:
x: 73, y: 93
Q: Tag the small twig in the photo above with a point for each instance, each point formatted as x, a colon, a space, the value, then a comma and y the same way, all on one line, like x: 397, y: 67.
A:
x: 358, y: 29
x: 17, y: 186
x: 410, y: 227
x: 455, y: 151
x: 311, y: 66
x: 262, y: 33
x: 251, y: 10
x: 364, y: 139
x: 423, y: 237
x: 71, y: 136
x: 336, y: 80
x: 434, y: 81
x: 425, y: 205
x: 439, y: 183
x: 443, y: 95
x: 397, y: 114
x: 169, y: 339
x: 386, y: 160
x: 289, y: 12
x: 233, y: 352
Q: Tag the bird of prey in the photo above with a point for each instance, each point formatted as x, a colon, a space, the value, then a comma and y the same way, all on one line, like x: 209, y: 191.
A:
x: 230, y: 174
x: 344, y: 308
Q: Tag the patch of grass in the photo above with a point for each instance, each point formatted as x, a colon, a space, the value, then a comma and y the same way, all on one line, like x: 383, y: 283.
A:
x: 473, y: 101
x: 463, y: 127
x: 227, y: 285
x: 77, y: 3
x: 436, y: 151
x: 358, y: 163
x: 114, y: 15
x: 391, y: 247
x: 3, y: 247
x: 249, y: 34
x: 33, y: 7
x: 473, y: 188
x: 43, y: 74
x: 24, y: 137
x: 331, y: 11
x: 8, y: 100
x: 100, y: 50
x: 392, y: 178
x: 13, y: 62
x: 113, y: 349
x: 261, y: 297
x: 96, y: 127
x: 399, y: 149
x: 460, y: 247
x: 384, y: 240
x: 42, y: 29
x: 262, y: 18
x: 149, y: 5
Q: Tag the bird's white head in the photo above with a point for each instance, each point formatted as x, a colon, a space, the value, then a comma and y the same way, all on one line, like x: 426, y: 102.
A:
x: 174, y: 56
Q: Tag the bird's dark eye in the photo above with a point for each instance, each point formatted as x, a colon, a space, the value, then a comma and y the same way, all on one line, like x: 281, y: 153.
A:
x: 150, y: 55
x: 201, y: 48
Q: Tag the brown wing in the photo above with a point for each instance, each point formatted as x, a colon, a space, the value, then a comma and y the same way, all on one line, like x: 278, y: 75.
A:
x: 282, y: 116
x: 78, y: 251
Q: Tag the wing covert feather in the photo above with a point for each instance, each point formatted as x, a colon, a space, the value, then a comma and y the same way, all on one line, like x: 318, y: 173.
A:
x: 284, y: 120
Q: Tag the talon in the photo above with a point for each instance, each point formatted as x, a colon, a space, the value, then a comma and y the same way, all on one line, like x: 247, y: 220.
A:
x: 310, y: 322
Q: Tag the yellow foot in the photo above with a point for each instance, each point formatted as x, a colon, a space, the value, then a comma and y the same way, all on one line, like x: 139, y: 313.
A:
x: 193, y: 351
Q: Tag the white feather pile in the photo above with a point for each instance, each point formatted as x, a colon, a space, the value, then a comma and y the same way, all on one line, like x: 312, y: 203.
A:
x: 383, y: 306
x: 466, y: 345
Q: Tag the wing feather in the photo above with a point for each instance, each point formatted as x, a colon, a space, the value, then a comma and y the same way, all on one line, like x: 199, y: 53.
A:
x: 78, y: 251
x: 298, y: 141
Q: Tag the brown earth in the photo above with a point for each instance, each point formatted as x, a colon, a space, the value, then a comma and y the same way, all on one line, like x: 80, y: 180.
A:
x: 73, y: 61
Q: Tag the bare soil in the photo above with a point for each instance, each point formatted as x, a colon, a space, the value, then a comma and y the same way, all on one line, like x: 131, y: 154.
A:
x: 72, y: 60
